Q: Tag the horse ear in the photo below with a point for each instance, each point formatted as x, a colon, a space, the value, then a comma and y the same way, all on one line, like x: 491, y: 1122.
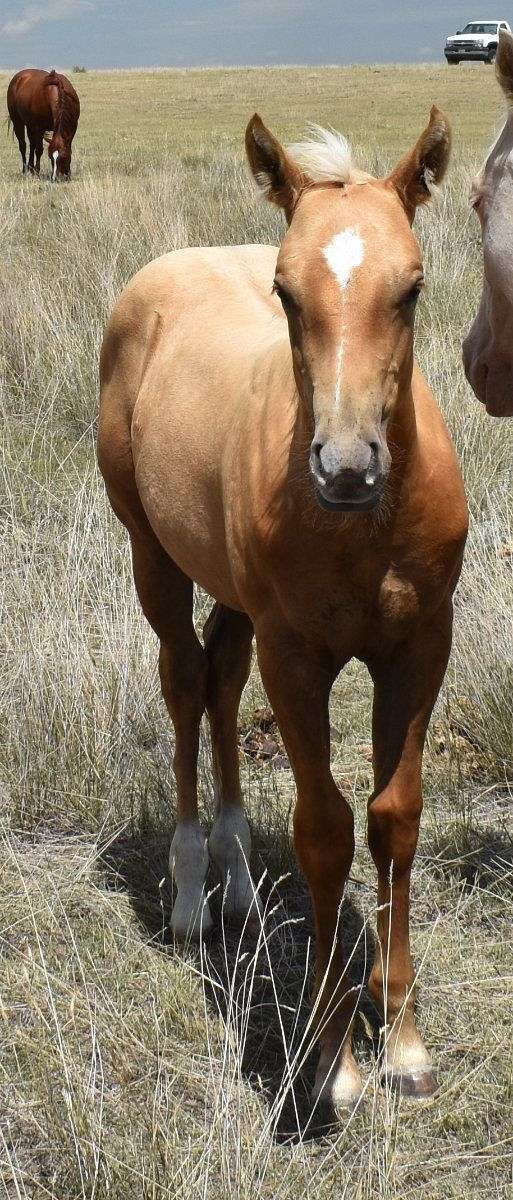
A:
x: 504, y: 64
x: 423, y: 167
x: 277, y: 176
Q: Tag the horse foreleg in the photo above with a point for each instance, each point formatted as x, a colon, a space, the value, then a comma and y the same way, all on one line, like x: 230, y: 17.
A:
x: 406, y: 687
x: 38, y: 149
x: 298, y: 683
x: 32, y: 151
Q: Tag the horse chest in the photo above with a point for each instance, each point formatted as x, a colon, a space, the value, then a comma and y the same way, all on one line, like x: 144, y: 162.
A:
x: 355, y: 608
x: 398, y: 602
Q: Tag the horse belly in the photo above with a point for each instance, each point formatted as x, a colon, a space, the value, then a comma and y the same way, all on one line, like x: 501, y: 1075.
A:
x: 181, y: 494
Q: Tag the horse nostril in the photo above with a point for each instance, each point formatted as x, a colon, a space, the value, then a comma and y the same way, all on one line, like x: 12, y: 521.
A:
x: 315, y: 455
x: 372, y: 471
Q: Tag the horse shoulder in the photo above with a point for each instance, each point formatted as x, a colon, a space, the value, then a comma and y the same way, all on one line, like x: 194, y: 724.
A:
x: 439, y: 483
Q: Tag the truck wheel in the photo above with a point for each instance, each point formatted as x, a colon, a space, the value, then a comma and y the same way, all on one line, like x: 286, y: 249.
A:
x: 491, y: 56
x: 453, y: 62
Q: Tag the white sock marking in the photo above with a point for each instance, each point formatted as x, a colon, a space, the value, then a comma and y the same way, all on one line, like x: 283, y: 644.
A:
x: 55, y: 156
x: 188, y: 865
x: 230, y: 848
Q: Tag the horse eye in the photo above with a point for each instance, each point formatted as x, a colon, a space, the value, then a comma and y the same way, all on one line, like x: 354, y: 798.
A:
x: 283, y: 295
x: 412, y: 296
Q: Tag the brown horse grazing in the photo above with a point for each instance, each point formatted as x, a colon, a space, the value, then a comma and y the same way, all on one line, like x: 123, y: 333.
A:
x: 39, y: 101
x: 488, y: 346
x: 264, y: 432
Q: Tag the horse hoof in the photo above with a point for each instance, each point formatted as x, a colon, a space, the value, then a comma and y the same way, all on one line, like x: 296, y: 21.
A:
x: 243, y: 913
x: 335, y: 1107
x: 187, y: 927
x: 338, y: 1094
x: 416, y: 1085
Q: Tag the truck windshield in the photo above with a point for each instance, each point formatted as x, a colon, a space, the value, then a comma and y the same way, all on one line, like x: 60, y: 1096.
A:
x: 487, y: 27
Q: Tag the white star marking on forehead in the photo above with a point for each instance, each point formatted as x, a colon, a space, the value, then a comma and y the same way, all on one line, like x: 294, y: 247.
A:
x: 345, y: 252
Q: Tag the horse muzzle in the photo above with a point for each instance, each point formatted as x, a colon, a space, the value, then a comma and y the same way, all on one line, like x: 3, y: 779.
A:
x: 347, y: 488
x: 359, y: 501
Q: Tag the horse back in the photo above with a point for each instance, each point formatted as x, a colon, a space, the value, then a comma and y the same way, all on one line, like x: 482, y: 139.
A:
x: 32, y: 96
x: 225, y: 293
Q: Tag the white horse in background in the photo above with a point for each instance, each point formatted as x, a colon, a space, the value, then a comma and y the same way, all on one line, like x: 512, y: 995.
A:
x: 488, y: 347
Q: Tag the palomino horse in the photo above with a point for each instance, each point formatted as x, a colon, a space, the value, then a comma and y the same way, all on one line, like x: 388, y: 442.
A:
x: 39, y: 101
x: 264, y: 432
x: 488, y: 347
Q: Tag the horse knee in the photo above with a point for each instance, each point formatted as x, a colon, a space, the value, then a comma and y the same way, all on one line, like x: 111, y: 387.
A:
x: 324, y: 840
x: 393, y: 828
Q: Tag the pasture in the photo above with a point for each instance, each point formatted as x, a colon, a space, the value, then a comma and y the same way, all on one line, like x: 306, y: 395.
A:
x: 129, y: 1067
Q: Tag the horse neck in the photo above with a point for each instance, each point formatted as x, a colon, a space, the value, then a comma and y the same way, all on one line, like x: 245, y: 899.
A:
x: 60, y: 111
x: 55, y: 102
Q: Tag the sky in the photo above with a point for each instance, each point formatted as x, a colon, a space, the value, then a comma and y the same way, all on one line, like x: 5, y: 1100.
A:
x: 182, y: 33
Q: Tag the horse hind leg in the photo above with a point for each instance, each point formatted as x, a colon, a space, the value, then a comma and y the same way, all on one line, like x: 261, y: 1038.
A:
x: 166, y: 597
x: 32, y: 151
x: 19, y: 131
x: 228, y: 638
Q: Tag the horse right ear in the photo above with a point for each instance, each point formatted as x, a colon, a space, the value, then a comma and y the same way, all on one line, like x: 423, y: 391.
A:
x: 277, y: 176
x: 504, y: 64
x: 425, y: 165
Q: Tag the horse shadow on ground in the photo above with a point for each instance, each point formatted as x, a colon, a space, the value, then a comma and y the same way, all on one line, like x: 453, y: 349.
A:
x: 261, y: 987
x: 262, y: 991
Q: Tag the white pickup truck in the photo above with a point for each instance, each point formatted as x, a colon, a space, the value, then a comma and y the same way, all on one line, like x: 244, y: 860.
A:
x: 478, y: 41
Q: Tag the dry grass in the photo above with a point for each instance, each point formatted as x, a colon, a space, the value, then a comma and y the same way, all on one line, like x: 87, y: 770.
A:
x: 129, y: 1068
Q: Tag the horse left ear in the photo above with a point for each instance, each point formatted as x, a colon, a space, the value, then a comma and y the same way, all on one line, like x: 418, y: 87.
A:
x: 276, y: 175
x: 424, y: 166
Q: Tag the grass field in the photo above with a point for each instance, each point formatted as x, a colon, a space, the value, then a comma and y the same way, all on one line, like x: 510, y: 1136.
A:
x: 130, y: 1068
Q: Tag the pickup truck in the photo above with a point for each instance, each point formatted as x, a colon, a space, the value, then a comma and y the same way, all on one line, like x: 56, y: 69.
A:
x: 477, y: 41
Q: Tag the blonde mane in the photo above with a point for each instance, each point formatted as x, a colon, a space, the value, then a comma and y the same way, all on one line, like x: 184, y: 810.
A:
x: 326, y: 157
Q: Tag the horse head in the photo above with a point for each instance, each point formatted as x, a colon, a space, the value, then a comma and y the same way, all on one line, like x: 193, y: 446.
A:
x: 348, y: 275
x: 488, y: 346
x: 59, y: 153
